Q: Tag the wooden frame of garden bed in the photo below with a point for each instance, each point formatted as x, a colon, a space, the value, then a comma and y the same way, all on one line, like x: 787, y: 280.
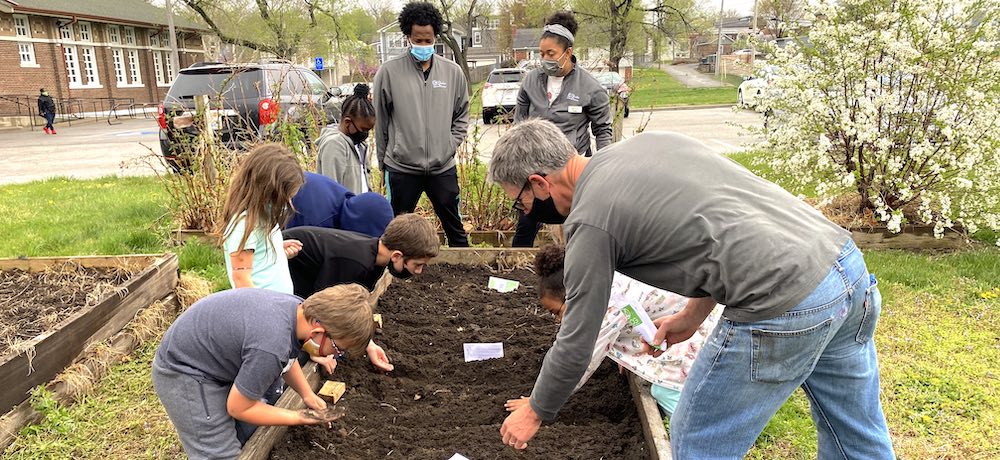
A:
x: 156, y: 277
x: 657, y: 443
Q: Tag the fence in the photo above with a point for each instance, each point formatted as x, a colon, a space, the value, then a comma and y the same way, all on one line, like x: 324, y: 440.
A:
x: 68, y: 110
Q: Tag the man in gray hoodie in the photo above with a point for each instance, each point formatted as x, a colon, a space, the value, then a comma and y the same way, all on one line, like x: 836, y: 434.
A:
x: 422, y: 116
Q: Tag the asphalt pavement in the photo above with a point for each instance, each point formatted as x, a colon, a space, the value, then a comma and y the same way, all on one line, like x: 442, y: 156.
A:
x: 90, y: 149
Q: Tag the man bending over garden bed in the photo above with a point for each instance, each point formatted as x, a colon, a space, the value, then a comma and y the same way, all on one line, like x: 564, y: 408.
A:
x: 664, y: 209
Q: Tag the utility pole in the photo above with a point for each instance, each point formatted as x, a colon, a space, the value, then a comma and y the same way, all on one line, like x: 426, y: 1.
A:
x: 753, y: 40
x: 718, y: 54
x: 173, y: 41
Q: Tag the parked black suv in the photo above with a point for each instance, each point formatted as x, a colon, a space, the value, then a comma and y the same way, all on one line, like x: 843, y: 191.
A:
x: 245, y: 103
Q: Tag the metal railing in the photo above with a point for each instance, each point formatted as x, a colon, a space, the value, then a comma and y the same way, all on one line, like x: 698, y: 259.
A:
x: 68, y: 110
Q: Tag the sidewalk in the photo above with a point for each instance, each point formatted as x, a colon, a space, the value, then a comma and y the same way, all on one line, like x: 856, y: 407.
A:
x: 690, y: 77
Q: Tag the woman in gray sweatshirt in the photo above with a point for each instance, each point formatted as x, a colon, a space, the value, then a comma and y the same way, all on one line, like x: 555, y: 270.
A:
x: 566, y: 95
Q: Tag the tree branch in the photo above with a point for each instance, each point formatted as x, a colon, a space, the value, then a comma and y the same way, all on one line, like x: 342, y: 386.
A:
x: 226, y: 38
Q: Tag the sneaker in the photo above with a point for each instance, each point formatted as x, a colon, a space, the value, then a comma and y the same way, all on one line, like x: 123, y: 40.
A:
x: 47, y: 131
x: 52, y: 131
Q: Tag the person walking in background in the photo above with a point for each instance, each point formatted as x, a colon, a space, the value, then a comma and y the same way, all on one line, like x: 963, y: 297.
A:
x: 422, y: 116
x: 47, y: 109
x: 565, y: 94
x: 343, y: 154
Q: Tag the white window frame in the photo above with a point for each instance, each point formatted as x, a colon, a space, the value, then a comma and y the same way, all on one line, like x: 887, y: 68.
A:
x: 493, y: 23
x: 165, y: 39
x: 23, y: 30
x: 72, y: 66
x: 477, y: 38
x: 135, y: 73
x: 158, y: 65
x: 154, y: 40
x: 66, y: 32
x: 168, y: 78
x: 26, y: 52
x: 118, y: 56
x: 129, y: 35
x: 114, y: 34
x: 88, y: 66
x: 85, y: 31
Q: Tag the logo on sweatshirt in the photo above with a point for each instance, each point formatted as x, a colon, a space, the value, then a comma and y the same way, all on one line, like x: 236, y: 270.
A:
x: 439, y: 84
x: 573, y: 97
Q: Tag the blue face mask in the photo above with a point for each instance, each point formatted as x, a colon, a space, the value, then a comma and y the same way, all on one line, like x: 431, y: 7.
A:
x: 422, y: 53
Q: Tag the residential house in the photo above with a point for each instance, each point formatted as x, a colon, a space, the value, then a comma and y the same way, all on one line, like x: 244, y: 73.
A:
x: 525, y: 44
x: 90, y: 51
x: 391, y: 43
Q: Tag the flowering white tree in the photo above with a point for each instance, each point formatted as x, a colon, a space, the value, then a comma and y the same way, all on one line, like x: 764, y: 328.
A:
x: 898, y: 100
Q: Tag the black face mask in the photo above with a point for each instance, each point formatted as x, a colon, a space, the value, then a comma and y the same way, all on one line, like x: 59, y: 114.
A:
x: 544, y: 211
x: 401, y: 274
x: 358, y: 137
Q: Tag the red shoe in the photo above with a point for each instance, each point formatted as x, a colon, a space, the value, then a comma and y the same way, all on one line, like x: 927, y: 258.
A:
x: 47, y: 131
x: 52, y: 131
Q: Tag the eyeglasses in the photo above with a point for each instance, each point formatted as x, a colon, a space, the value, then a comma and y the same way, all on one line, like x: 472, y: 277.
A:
x: 337, y: 354
x: 518, y: 205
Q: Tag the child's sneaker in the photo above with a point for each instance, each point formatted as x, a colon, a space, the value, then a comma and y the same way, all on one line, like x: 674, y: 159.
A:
x: 47, y: 130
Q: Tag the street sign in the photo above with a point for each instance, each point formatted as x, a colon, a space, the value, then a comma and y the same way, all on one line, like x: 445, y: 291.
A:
x: 318, y: 63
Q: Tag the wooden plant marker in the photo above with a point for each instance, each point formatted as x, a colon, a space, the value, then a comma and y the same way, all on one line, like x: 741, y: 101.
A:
x: 377, y: 317
x: 333, y: 391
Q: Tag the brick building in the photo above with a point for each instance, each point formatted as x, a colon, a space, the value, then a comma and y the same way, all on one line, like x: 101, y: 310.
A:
x: 90, y: 54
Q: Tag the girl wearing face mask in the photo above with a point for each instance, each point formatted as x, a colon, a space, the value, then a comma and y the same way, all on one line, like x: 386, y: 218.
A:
x: 343, y: 154
x: 565, y: 94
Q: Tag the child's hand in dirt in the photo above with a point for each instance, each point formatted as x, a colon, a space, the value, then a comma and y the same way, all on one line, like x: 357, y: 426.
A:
x: 313, y: 401
x: 292, y: 248
x: 378, y: 357
x: 514, y: 404
x: 326, y: 362
x: 322, y: 416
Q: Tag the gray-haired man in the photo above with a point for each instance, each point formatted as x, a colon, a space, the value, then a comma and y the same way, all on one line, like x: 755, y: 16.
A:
x: 664, y: 209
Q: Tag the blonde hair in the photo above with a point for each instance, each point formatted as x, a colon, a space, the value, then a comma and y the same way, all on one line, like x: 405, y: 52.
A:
x: 262, y: 186
x: 346, y: 312
x: 412, y: 235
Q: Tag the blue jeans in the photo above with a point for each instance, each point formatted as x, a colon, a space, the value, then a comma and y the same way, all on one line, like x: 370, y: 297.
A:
x: 746, y: 371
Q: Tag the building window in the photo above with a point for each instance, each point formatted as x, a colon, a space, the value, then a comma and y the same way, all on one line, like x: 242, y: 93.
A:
x: 170, y: 68
x: 119, y: 58
x: 90, y: 66
x: 114, y: 35
x: 158, y: 65
x: 165, y: 39
x: 72, y: 65
x: 129, y: 36
x: 27, y: 53
x: 84, y: 30
x: 477, y: 38
x: 398, y: 41
x: 21, y: 27
x: 66, y: 32
x: 493, y: 23
x: 154, y: 40
x: 133, y: 65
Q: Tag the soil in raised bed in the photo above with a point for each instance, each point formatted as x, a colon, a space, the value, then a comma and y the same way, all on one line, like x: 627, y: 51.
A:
x: 32, y: 303
x: 434, y: 404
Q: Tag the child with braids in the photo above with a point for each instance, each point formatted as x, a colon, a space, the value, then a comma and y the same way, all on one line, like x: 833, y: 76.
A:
x: 343, y: 154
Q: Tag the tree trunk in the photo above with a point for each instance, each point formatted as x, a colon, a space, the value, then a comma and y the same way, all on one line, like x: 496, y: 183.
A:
x: 460, y: 59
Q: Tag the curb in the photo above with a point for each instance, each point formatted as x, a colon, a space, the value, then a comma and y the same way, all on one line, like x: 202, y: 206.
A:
x: 684, y: 107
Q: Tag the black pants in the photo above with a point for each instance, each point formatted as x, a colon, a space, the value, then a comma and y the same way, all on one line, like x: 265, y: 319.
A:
x: 527, y: 230
x: 442, y: 190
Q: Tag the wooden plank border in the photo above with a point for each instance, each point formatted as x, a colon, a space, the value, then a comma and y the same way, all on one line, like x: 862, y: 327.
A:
x: 657, y: 441
x: 259, y: 446
x: 51, y: 353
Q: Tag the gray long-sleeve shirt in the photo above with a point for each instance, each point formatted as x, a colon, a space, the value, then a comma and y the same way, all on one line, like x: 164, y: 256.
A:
x: 420, y: 122
x: 340, y: 160
x: 582, y: 103
x: 664, y: 209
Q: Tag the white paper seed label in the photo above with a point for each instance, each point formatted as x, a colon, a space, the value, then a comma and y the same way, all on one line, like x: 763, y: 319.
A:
x: 458, y: 457
x: 502, y: 285
x: 483, y: 351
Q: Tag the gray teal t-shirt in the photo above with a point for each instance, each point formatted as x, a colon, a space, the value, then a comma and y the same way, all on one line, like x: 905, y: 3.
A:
x: 245, y: 337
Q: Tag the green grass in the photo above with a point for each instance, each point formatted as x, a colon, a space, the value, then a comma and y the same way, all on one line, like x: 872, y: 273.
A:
x: 653, y: 88
x: 937, y: 336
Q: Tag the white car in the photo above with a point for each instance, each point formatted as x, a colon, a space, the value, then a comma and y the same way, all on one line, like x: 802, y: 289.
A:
x: 753, y: 87
x: 500, y: 94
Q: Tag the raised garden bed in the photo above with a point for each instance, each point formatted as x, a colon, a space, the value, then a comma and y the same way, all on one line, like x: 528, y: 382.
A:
x: 435, y: 404
x: 75, y: 321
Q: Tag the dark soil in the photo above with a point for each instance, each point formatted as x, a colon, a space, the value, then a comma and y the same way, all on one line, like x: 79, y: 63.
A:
x: 32, y: 303
x: 435, y: 404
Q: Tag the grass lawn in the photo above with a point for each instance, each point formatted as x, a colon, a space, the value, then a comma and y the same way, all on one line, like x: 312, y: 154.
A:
x: 937, y: 336
x: 655, y: 88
